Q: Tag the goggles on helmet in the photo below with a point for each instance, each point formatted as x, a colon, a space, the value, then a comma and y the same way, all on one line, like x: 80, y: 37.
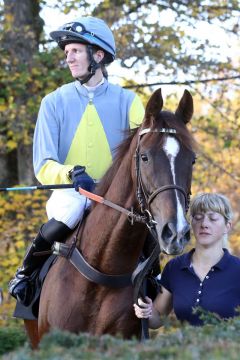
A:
x: 80, y: 29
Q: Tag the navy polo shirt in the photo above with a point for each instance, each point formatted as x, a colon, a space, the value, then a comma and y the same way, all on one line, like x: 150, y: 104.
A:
x: 219, y: 292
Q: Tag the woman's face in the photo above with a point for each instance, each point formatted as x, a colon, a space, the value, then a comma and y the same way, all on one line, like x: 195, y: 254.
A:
x: 209, y: 228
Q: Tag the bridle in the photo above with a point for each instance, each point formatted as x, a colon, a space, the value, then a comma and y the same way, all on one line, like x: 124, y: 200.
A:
x: 142, y: 196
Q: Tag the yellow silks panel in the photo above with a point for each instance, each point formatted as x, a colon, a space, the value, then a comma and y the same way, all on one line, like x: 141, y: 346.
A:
x: 90, y: 147
x: 136, y: 113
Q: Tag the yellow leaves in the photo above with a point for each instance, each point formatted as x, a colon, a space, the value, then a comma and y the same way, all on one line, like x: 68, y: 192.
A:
x: 7, y: 206
x: 3, y: 107
x: 36, y: 71
x: 2, y: 203
x: 20, y: 244
x: 21, y: 216
x: 11, y: 144
x: 9, y: 17
x: 9, y: 262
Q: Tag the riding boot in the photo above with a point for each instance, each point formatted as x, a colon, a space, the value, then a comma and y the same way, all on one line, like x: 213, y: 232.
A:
x: 20, y: 286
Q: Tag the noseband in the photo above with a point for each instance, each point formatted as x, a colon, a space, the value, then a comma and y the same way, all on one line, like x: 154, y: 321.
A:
x: 142, y: 196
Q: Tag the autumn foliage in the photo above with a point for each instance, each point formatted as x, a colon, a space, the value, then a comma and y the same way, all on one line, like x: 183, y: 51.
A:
x: 21, y: 215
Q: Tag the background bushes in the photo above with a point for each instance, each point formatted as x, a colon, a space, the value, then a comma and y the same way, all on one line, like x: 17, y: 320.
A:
x: 214, y: 341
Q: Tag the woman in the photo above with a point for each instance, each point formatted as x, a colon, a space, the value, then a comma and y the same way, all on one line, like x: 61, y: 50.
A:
x: 206, y: 277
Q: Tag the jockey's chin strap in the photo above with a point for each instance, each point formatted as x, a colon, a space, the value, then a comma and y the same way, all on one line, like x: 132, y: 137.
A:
x: 93, y: 66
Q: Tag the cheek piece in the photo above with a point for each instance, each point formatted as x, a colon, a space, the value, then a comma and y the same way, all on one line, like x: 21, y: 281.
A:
x: 93, y: 66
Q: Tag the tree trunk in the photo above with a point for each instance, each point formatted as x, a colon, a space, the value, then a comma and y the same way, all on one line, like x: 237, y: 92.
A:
x: 23, y: 26
x: 8, y: 172
x: 25, y: 169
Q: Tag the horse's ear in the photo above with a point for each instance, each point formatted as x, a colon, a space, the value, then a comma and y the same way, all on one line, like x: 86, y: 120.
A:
x: 185, y: 107
x: 153, y: 108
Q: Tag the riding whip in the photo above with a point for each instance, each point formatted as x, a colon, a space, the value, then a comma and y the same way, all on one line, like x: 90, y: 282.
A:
x: 37, y: 187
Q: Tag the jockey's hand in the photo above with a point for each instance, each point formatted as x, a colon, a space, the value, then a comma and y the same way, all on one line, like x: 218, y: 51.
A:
x: 81, y: 179
x: 144, y: 308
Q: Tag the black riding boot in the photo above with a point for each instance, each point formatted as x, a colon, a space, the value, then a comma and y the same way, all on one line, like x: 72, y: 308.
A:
x: 20, y: 286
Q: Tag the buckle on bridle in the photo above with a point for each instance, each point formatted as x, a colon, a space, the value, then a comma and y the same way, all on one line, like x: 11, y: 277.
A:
x: 150, y: 222
x: 131, y: 216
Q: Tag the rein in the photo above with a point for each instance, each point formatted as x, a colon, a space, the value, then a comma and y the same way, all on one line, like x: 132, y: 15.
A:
x: 130, y: 214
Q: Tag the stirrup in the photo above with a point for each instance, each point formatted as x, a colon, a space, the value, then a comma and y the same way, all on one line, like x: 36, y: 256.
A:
x: 22, y: 289
x: 17, y: 285
x: 18, y: 278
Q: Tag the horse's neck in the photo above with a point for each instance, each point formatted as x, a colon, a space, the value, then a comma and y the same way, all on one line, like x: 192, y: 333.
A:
x: 109, y: 241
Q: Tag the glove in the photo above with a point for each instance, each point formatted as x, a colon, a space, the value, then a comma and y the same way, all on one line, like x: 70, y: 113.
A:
x: 81, y: 179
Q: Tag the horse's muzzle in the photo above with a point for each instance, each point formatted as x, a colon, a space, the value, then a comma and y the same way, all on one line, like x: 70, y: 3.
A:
x: 172, y: 240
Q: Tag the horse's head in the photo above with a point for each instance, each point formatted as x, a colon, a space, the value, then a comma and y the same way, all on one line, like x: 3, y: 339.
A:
x: 164, y: 160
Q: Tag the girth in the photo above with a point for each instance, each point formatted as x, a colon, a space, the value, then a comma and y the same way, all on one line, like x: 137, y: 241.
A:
x: 75, y: 257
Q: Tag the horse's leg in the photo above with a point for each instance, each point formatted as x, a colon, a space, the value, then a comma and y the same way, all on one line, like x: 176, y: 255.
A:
x: 31, y: 327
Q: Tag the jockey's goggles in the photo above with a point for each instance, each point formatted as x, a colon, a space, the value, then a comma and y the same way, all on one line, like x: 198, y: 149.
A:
x: 80, y: 29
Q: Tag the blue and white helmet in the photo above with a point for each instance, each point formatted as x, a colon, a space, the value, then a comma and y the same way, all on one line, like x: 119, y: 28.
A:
x: 87, y: 30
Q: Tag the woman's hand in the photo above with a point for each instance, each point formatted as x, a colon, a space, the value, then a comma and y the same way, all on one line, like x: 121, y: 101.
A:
x: 153, y: 312
x: 144, y: 309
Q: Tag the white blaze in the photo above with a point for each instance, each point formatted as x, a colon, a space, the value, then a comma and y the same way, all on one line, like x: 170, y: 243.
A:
x: 171, y: 148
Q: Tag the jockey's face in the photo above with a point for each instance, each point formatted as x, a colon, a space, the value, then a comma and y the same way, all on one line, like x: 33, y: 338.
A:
x: 77, y: 59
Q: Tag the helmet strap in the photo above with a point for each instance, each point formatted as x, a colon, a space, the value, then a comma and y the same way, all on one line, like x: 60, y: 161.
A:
x: 93, y: 66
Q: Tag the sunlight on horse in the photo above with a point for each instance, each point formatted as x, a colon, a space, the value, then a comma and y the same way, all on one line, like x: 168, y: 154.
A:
x: 152, y: 174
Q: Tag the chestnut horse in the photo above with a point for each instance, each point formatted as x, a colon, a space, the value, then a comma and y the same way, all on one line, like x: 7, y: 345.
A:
x: 151, y: 172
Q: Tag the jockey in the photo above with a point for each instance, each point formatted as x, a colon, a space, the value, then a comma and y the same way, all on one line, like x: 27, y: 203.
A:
x: 78, y: 126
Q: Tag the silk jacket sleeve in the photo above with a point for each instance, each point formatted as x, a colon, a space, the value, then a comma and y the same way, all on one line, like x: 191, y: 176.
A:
x: 47, y: 166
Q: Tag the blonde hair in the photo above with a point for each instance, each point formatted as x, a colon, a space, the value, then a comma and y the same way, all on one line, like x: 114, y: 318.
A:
x: 216, y: 202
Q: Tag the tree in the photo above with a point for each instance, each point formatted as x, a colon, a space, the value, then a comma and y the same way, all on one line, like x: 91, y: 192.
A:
x: 20, y: 36
x: 172, y: 52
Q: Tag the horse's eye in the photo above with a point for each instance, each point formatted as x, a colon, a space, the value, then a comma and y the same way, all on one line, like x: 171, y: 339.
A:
x: 144, y: 157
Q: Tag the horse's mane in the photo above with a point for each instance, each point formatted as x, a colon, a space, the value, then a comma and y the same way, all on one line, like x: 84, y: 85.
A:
x: 120, y: 151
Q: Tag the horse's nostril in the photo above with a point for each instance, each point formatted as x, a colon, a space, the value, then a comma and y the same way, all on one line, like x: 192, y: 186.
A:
x: 168, y: 232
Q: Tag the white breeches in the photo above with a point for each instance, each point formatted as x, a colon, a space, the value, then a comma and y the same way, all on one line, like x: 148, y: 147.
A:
x: 67, y: 206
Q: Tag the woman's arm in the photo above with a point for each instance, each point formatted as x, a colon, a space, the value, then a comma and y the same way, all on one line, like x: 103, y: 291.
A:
x: 161, y: 306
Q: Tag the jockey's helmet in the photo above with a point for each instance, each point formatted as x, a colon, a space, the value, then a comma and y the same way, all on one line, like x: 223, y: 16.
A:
x: 87, y: 30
